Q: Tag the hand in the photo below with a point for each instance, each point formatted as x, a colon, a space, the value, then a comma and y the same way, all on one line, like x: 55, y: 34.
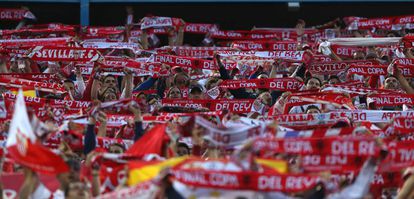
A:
x: 196, y: 135
x: 135, y: 110
x: 129, y: 10
x: 90, y: 158
x: 127, y: 72
x: 101, y: 118
x: 78, y: 72
x: 285, y: 94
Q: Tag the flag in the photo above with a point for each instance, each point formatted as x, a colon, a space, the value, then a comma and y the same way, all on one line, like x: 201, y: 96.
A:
x: 23, y: 148
x: 142, y: 171
x: 150, y: 143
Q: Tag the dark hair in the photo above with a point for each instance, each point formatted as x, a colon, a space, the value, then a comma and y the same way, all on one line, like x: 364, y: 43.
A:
x: 211, y: 81
x: 318, y: 191
x: 180, y: 144
x: 333, y: 77
x: 340, y: 124
x: 176, y: 75
x: 311, y: 77
x: 109, y: 75
x: 153, y: 96
x: 118, y: 144
x: 389, y: 75
x: 172, y: 87
x: 312, y: 107
x: 68, y: 81
x: 73, y: 161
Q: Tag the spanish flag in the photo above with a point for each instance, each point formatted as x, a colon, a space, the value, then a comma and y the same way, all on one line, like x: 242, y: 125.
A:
x: 141, y: 171
x: 279, y: 166
x: 27, y: 91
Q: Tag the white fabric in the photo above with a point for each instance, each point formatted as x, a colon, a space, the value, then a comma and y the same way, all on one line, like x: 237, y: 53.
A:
x: 20, y: 127
x: 361, y: 186
x: 365, y: 41
x: 41, y: 192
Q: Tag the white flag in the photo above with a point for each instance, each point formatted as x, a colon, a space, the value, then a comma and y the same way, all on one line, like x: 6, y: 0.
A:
x: 20, y: 131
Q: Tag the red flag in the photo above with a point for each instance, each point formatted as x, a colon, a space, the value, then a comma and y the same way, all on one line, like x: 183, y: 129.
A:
x: 23, y: 148
x: 151, y: 142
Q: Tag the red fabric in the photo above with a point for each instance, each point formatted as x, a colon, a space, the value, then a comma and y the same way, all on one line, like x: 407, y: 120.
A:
x: 236, y: 105
x: 265, y: 45
x: 41, y: 53
x: 245, y: 180
x: 282, y: 84
x: 381, y: 100
x: 334, y: 67
x: 39, y: 158
x: 355, y: 146
x: 151, y: 142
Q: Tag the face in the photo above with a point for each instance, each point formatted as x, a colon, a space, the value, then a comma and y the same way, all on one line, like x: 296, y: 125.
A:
x: 111, y: 96
x: 391, y: 83
x: 333, y: 81
x: 78, y: 190
x: 181, y: 80
x: 359, y: 55
x: 291, y: 69
x: 66, y: 178
x: 213, y: 84
x: 142, y: 99
x: 313, y: 84
x: 109, y: 82
x: 182, y: 151
x: 195, y: 95
x: 116, y: 149
x: 174, y: 93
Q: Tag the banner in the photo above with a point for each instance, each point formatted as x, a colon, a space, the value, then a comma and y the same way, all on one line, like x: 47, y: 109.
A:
x: 282, y: 84
x: 69, y: 54
x: 355, y: 146
x: 237, y: 105
x: 245, y: 180
x: 265, y: 45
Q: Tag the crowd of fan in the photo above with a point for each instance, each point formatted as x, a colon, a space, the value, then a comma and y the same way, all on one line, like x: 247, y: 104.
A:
x: 138, y: 104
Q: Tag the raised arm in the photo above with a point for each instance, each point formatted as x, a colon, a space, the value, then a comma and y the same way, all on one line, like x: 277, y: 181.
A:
x: 403, y: 82
x: 180, y: 36
x: 129, y: 84
x: 144, y: 39
x: 138, y: 130
x: 90, y: 137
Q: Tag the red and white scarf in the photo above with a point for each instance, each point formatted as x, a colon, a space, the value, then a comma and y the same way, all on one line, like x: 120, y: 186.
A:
x: 335, y: 67
x: 41, y: 53
x: 160, y: 22
x: 59, y: 41
x: 265, y: 45
x: 15, y: 14
x: 357, y: 146
x: 236, y: 106
x: 282, y: 84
